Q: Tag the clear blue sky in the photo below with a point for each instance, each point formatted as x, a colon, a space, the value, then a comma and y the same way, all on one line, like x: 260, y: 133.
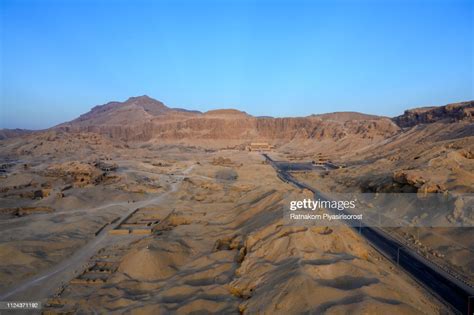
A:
x: 279, y: 58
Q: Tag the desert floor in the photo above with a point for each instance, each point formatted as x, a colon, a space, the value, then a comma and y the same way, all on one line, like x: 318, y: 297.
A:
x: 181, y: 229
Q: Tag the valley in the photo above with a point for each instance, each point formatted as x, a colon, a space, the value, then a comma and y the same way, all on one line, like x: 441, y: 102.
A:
x: 139, y: 208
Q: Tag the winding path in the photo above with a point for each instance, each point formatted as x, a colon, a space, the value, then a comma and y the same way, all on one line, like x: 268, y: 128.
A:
x: 454, y: 293
x: 43, y: 285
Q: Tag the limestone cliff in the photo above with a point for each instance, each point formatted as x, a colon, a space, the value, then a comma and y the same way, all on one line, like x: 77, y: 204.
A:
x: 143, y: 118
x: 425, y: 115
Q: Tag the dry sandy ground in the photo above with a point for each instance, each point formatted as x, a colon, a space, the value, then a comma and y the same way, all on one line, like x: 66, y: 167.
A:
x: 220, y: 246
x: 429, y: 158
x: 80, y: 200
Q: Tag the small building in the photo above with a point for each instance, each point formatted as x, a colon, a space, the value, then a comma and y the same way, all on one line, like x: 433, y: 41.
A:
x: 259, y: 146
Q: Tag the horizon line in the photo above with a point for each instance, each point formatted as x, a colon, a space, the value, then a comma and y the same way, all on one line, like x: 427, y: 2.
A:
x: 235, y: 108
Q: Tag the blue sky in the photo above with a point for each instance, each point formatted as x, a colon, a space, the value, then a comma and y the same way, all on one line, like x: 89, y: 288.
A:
x: 279, y: 58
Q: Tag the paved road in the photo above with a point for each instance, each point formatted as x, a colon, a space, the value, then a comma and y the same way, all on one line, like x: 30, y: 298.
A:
x: 448, y: 289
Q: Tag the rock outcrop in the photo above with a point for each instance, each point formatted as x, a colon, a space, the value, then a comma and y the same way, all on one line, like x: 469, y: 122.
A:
x: 78, y: 173
x: 143, y: 118
x: 425, y: 115
x: 12, y: 133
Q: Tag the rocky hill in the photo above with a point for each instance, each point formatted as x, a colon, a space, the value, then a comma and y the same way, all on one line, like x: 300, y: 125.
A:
x: 143, y: 118
x: 345, y: 116
x: 449, y: 113
x: 11, y: 133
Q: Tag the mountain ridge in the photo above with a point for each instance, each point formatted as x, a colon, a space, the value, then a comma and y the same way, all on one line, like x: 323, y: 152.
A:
x: 430, y: 114
x: 142, y: 118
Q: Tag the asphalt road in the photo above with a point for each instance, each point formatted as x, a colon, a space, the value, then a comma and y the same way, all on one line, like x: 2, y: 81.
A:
x: 458, y: 295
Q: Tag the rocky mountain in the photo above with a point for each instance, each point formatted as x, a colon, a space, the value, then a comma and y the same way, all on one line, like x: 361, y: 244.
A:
x: 345, y: 116
x: 143, y: 118
x: 448, y: 113
x: 136, y: 109
x: 11, y: 133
